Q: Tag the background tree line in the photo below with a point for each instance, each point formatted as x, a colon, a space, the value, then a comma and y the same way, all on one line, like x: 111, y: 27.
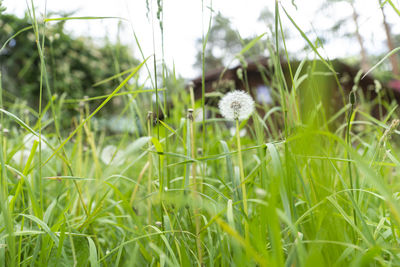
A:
x: 74, y: 64
x: 224, y: 41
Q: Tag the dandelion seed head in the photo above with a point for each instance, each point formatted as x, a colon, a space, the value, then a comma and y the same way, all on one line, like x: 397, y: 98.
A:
x: 21, y: 156
x: 236, y: 105
x: 198, y: 115
x: 30, y: 138
x: 110, y: 155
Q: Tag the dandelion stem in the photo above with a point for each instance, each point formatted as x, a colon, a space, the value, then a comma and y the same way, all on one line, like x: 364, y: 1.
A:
x: 242, y: 182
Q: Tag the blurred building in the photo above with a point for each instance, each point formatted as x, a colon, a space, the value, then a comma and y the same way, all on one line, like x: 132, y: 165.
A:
x: 312, y: 77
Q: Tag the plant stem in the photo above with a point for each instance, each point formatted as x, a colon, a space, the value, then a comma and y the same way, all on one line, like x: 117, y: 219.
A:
x: 348, y: 141
x: 194, y: 188
x: 7, y: 217
x: 242, y: 182
x: 150, y: 161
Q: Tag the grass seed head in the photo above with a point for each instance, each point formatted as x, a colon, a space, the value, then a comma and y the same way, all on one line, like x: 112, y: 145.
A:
x: 190, y: 114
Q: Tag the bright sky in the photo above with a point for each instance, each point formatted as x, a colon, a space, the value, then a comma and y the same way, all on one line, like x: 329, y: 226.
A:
x: 183, y: 23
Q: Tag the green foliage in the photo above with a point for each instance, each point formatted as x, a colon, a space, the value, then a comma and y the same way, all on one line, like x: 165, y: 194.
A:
x: 281, y: 195
x: 74, y: 64
x: 75, y: 253
x: 2, y: 8
x: 223, y: 44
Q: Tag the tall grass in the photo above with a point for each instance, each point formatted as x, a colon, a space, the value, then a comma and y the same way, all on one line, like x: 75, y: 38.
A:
x: 319, y: 189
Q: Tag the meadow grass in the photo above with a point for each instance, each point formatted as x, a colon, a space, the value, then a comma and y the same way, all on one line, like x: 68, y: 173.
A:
x: 303, y: 187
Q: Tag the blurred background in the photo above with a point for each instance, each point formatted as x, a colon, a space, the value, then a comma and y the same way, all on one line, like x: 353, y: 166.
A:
x: 358, y: 33
x: 334, y: 22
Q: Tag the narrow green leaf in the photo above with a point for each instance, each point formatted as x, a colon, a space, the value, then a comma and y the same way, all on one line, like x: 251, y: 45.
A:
x: 92, y: 253
x: 96, y: 110
x: 43, y: 225
x: 381, y: 61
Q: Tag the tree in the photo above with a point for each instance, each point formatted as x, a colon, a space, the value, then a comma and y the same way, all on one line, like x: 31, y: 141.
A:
x: 393, y: 58
x: 223, y: 44
x: 363, y: 53
x: 2, y: 8
x: 354, y: 19
x: 74, y: 64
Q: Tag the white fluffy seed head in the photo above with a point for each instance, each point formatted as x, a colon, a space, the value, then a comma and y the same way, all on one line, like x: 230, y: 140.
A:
x: 236, y: 105
x: 110, y: 155
x: 21, y: 156
x: 30, y: 138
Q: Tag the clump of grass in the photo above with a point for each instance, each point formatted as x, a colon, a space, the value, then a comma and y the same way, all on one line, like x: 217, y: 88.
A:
x: 318, y: 189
